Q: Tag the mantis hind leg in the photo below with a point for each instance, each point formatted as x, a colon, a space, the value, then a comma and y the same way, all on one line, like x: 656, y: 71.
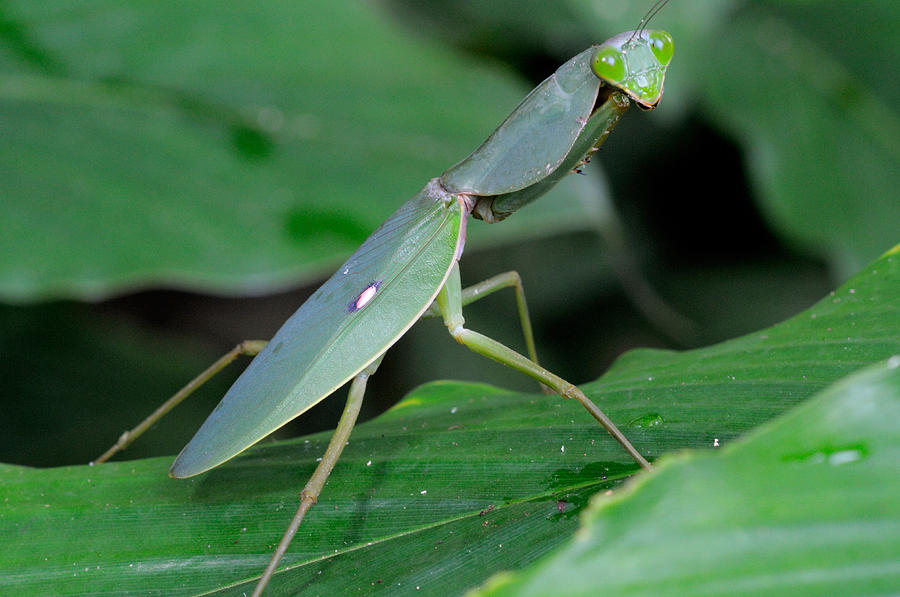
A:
x: 449, y: 303
x: 313, y: 488
x: 247, y: 348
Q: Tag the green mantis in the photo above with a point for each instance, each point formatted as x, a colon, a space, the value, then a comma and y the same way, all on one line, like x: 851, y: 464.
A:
x: 408, y: 268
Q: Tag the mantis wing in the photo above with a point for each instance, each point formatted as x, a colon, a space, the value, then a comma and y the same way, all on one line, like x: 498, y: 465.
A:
x: 366, y: 306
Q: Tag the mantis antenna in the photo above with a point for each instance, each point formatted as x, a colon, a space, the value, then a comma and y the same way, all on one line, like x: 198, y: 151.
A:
x: 652, y: 12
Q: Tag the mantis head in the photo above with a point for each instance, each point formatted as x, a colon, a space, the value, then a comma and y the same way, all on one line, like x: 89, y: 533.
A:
x: 635, y: 62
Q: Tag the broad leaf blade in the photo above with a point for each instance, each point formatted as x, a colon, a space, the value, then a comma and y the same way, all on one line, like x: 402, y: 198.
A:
x: 806, y: 505
x: 535, y: 459
x: 234, y: 148
x: 826, y: 160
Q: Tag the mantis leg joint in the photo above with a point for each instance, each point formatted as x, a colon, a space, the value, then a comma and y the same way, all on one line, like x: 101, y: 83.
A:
x: 570, y: 391
x: 458, y: 332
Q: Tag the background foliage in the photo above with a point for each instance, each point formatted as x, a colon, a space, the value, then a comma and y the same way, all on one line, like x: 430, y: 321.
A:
x: 176, y: 177
x: 460, y: 480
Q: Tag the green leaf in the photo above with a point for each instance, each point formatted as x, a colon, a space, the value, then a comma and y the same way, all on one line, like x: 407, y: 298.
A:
x: 224, y: 148
x: 454, y: 483
x: 820, y: 133
x: 806, y: 505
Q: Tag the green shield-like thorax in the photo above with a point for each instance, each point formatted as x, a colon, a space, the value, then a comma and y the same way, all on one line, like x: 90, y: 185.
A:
x: 535, y: 139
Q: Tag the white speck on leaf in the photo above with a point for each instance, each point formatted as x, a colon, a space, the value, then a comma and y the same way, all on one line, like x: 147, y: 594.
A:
x: 844, y: 457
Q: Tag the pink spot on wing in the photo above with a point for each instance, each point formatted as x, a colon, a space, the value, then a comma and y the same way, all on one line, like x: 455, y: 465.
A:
x: 364, y: 297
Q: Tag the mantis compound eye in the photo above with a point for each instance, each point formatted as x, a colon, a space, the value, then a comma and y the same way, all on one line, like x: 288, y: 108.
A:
x: 662, y: 46
x: 609, y: 65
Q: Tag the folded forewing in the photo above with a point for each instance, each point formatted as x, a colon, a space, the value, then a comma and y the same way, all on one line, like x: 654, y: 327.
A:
x: 345, y: 325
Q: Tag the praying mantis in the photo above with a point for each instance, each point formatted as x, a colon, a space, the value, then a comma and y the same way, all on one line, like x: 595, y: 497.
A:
x: 409, y: 269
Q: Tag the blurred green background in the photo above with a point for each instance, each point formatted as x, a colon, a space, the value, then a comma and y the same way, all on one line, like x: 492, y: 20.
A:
x: 177, y: 177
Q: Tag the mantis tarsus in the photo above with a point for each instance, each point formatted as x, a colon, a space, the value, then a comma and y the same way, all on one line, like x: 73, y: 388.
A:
x: 408, y: 269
